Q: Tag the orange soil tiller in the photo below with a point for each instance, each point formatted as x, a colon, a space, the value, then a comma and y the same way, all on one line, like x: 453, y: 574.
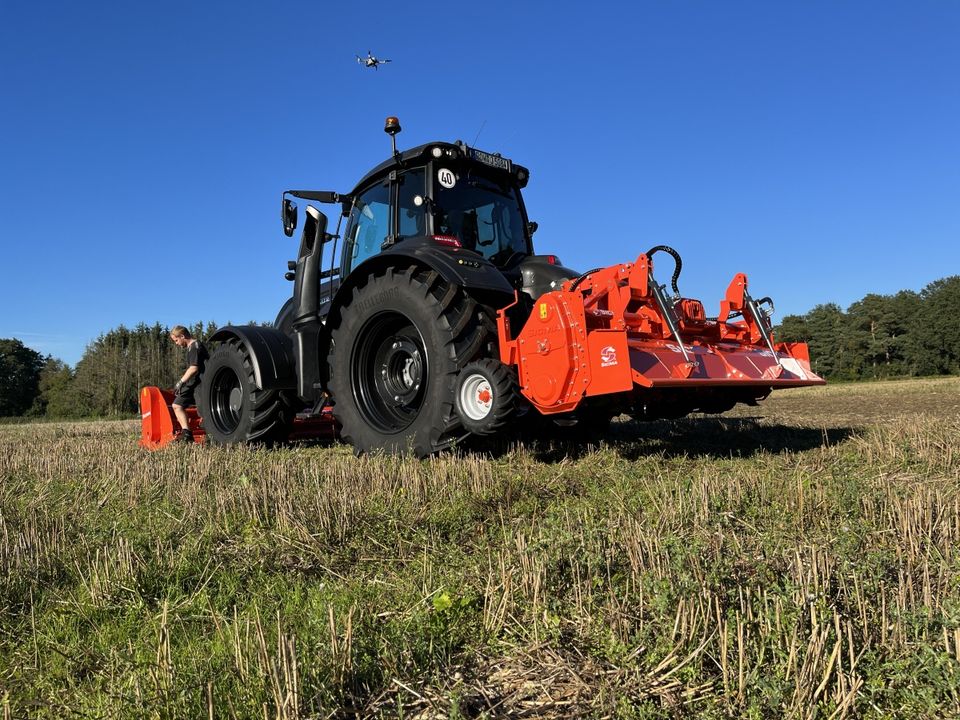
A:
x: 159, y: 426
x: 614, y: 330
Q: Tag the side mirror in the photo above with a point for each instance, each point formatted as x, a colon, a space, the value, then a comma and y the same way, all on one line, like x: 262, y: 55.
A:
x: 288, y: 214
x: 532, y: 227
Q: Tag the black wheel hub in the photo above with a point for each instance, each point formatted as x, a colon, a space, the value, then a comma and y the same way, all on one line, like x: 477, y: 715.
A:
x: 401, y: 370
x: 389, y: 369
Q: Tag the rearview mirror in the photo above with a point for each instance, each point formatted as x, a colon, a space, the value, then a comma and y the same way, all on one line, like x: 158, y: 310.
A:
x: 532, y: 227
x: 288, y: 214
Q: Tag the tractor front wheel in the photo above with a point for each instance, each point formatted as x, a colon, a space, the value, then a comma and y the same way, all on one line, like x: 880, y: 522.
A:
x: 486, y: 396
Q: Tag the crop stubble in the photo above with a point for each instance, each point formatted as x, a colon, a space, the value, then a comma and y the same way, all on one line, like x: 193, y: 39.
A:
x: 797, y: 559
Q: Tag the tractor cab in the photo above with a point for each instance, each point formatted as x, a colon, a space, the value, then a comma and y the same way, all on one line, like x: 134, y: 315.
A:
x: 439, y: 197
x: 442, y: 194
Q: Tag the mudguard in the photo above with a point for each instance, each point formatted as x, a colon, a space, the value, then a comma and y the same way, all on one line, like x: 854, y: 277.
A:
x: 456, y: 265
x: 271, y: 354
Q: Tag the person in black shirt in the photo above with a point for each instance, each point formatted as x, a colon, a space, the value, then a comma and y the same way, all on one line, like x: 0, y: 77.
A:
x: 196, y: 359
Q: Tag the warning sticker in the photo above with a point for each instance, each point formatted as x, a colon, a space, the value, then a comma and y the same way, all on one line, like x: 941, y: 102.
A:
x: 544, y: 311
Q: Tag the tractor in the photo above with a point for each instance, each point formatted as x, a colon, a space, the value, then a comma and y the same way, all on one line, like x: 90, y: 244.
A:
x: 431, y: 318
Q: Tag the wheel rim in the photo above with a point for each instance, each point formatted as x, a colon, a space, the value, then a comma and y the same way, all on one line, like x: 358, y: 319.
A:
x: 476, y: 397
x: 389, y: 372
x: 226, y: 401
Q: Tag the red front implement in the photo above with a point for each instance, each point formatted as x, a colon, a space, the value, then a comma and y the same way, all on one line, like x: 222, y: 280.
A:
x: 615, y: 331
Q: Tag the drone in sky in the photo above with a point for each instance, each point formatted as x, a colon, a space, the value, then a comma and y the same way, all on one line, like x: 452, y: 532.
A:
x: 371, y: 61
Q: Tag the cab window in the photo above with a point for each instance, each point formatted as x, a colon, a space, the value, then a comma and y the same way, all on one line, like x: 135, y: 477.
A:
x: 368, y: 226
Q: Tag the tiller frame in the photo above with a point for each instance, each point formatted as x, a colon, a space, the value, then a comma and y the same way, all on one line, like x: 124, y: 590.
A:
x: 615, y: 330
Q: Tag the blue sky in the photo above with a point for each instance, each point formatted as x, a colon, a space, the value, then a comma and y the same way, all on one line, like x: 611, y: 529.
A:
x: 813, y: 145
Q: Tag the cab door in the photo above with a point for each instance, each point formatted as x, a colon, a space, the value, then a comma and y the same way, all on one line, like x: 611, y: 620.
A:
x: 368, y: 226
x: 391, y: 210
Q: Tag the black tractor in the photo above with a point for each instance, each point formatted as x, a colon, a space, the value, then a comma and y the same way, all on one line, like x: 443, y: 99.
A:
x: 394, y: 321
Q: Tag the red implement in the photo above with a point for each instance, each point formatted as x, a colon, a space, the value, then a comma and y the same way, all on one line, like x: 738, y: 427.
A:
x: 615, y: 331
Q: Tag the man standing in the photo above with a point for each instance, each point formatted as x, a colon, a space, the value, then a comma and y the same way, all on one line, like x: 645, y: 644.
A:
x: 196, y: 360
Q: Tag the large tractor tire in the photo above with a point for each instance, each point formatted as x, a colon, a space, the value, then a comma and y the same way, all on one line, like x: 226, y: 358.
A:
x: 233, y: 409
x: 400, y: 340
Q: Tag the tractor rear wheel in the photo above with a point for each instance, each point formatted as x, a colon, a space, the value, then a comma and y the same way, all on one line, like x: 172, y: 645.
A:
x: 233, y: 409
x: 401, y: 338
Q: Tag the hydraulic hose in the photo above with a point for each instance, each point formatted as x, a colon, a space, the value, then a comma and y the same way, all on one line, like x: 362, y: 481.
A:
x: 678, y: 263
x: 581, y: 278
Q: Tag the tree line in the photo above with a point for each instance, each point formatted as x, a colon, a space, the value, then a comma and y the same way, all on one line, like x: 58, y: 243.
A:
x: 908, y: 334
x: 105, y: 383
x: 880, y: 336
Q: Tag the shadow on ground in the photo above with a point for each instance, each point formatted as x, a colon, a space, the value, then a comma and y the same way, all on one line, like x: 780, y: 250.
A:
x: 689, y: 437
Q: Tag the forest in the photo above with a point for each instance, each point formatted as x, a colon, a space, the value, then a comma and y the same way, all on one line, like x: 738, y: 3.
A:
x: 909, y: 334
x: 106, y: 381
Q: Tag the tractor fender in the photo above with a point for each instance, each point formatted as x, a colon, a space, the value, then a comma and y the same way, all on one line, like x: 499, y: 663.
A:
x: 271, y: 354
x: 458, y: 267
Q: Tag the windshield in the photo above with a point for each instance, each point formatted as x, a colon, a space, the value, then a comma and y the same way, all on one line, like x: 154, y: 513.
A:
x: 484, y: 215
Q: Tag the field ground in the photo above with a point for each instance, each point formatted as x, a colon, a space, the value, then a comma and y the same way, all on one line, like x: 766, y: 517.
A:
x: 799, y: 559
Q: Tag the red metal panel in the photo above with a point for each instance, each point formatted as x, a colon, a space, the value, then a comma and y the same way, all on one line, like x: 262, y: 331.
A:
x: 549, y: 349
x: 609, y: 360
x: 653, y: 363
x: 156, y: 419
x: 158, y: 424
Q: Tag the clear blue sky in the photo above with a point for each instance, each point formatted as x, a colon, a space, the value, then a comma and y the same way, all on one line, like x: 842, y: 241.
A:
x: 814, y: 145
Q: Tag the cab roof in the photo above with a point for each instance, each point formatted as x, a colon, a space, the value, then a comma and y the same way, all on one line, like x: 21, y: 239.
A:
x: 421, y: 154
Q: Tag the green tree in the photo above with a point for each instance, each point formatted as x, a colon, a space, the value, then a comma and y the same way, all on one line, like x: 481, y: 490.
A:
x: 118, y: 363
x: 19, y: 377
x: 56, y: 391
x: 793, y: 328
x: 905, y: 306
x: 881, y: 336
x: 879, y: 325
x: 935, y: 342
x: 829, y: 341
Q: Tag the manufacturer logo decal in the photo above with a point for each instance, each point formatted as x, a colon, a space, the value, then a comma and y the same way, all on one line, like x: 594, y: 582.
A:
x: 446, y: 178
x: 544, y: 311
x: 608, y: 356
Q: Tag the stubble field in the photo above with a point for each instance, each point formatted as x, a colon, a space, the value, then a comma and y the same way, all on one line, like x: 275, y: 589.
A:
x: 799, y: 559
